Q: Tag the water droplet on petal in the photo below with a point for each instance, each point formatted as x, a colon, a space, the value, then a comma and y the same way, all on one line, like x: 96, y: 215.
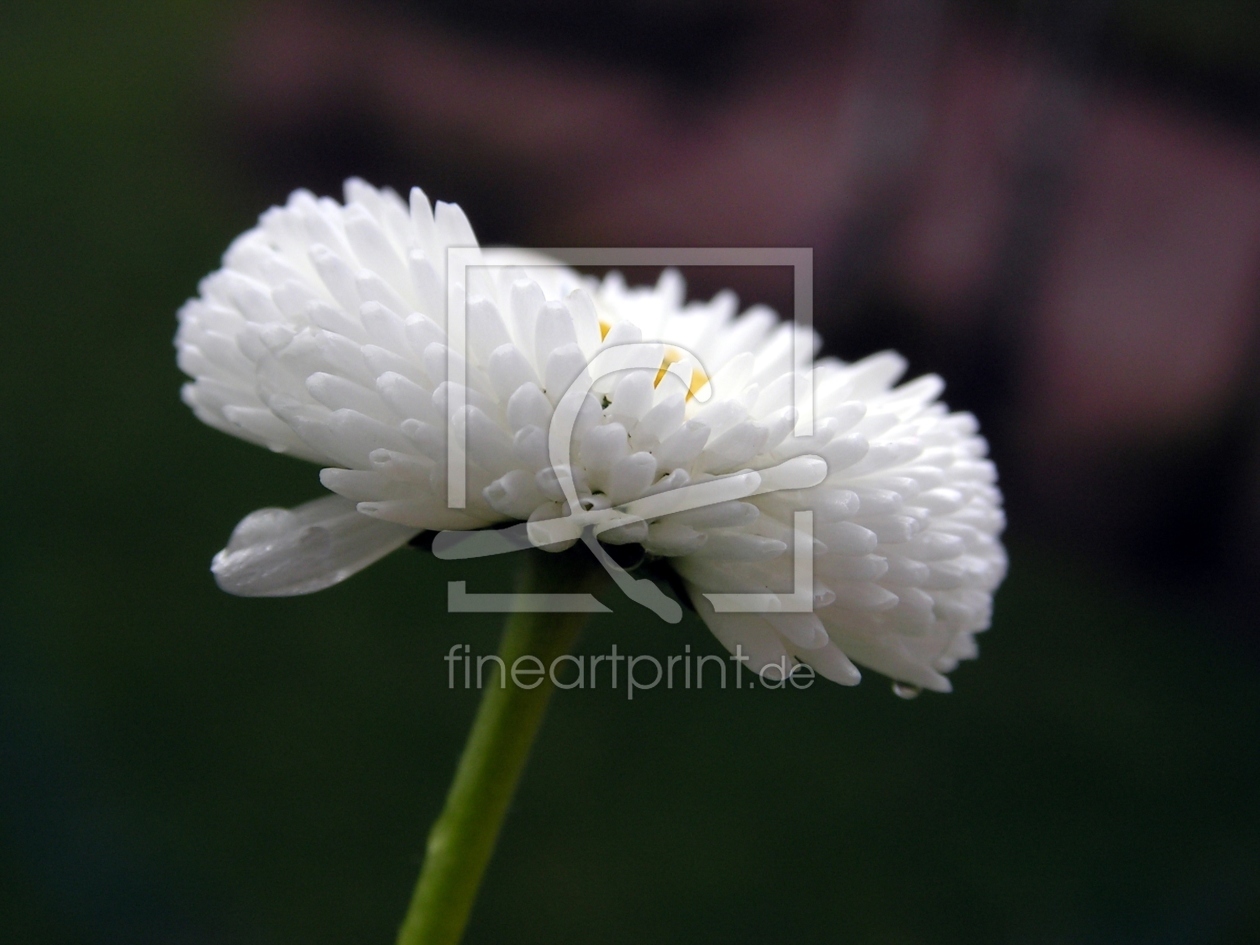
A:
x: 905, y: 690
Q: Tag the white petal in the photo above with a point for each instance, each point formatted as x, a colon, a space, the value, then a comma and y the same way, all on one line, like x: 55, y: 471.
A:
x: 486, y: 330
x: 659, y: 422
x: 630, y: 477
x: 632, y: 398
x: 682, y: 446
x: 529, y: 407
x: 514, y: 494
x: 509, y: 370
x: 554, y: 329
x: 286, y: 552
x: 601, y: 448
x: 563, y: 367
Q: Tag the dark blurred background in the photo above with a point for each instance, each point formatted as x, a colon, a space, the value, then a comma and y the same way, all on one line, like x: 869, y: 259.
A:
x: 1055, y: 205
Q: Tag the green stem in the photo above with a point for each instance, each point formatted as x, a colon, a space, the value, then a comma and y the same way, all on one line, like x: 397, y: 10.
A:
x: 508, y: 719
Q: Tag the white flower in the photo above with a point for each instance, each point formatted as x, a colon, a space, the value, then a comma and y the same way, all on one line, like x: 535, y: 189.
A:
x: 323, y: 336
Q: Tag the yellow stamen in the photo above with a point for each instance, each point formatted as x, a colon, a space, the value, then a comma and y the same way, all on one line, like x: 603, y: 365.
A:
x: 673, y: 356
x: 604, y: 329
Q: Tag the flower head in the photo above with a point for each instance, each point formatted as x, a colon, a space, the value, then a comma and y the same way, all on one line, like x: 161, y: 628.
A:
x: 324, y: 335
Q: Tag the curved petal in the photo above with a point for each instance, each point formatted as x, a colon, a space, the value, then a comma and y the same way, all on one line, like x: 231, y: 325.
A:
x: 286, y: 552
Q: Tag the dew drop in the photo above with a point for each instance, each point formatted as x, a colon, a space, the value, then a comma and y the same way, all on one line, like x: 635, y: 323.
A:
x: 905, y: 690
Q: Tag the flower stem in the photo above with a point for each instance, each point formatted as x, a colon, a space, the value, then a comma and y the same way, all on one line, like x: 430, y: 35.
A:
x: 462, y: 840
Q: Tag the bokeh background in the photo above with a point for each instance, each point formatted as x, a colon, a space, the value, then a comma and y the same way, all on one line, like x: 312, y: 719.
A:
x: 1056, y: 205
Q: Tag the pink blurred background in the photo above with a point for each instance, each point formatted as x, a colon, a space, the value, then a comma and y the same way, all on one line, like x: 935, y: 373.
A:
x: 1070, y: 240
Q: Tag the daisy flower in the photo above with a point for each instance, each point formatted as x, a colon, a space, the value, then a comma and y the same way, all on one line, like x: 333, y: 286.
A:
x: 324, y: 335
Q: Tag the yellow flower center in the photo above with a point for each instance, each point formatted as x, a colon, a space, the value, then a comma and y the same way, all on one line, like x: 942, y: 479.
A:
x: 672, y: 356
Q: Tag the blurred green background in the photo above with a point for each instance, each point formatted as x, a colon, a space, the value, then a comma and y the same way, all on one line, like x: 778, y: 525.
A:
x: 180, y: 766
